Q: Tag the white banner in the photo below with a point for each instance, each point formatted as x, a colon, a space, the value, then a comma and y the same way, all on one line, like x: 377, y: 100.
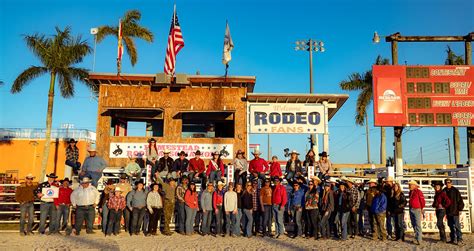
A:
x: 286, y: 118
x: 428, y: 223
x: 125, y: 150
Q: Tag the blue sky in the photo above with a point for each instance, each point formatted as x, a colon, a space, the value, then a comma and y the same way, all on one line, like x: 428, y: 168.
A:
x: 264, y: 33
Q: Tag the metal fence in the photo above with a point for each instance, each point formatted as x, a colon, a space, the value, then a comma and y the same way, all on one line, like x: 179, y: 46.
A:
x: 36, y: 133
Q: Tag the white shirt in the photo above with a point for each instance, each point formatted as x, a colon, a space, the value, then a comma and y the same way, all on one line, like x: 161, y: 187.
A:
x: 230, y: 201
x: 85, y: 196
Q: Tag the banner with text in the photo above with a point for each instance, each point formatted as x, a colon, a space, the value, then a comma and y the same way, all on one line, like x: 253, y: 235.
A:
x: 125, y: 150
x: 286, y: 118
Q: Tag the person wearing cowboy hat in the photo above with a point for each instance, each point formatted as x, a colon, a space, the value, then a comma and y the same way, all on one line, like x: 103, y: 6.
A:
x: 116, y: 204
x: 241, y: 167
x: 25, y: 195
x: 218, y: 205
x: 133, y: 170
x: 452, y: 212
x: 85, y: 198
x: 72, y: 156
x: 207, y: 208
x: 388, y: 191
x: 47, y: 208
x: 326, y: 206
x: 215, y: 168
x: 354, y: 202
x: 258, y: 166
x: 169, y: 190
x: 197, y: 168
x: 311, y: 206
x: 125, y: 188
x: 136, y: 202
x: 180, y: 166
x: 152, y: 154
x: 104, y: 197
x: 63, y: 203
x: 324, y: 165
x: 165, y: 164
x: 93, y: 166
x: 369, y: 197
x: 416, y: 204
x: 397, y: 209
x: 279, y: 201
x: 293, y: 166
x: 440, y: 202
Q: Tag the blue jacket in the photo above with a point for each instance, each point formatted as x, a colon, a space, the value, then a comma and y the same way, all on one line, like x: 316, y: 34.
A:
x: 297, y: 199
x: 379, y: 204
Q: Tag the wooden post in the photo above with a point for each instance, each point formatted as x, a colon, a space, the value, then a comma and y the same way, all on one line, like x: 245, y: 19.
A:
x: 470, y: 130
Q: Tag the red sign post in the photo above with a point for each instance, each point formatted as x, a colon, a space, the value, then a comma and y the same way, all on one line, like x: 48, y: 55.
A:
x: 423, y: 95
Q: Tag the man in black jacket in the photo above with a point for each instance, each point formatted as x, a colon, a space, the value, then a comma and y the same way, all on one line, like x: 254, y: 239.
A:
x: 452, y: 212
x: 165, y: 164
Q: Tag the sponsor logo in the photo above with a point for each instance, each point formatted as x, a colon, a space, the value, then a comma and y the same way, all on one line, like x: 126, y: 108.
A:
x: 389, y: 96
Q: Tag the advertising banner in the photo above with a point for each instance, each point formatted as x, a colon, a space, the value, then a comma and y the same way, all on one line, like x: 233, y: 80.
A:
x: 138, y: 150
x: 286, y: 118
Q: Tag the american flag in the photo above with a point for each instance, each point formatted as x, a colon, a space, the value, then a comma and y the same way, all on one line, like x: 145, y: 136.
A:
x: 175, y: 43
x: 119, y: 47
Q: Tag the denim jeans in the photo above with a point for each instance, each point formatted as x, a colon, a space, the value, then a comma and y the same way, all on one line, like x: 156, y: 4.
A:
x: 180, y: 216
x: 113, y: 222
x: 137, y: 219
x: 219, y: 220
x: 343, y: 218
x: 206, y: 222
x: 238, y: 220
x: 240, y: 178
x: 190, y: 216
x: 455, y: 228
x: 230, y: 223
x: 155, y: 217
x: 313, y: 215
x: 440, y: 213
x: 267, y: 219
x: 63, y: 214
x: 415, y: 218
x: 399, y: 225
x: 126, y: 219
x: 325, y: 229
x: 352, y: 225
x: 371, y: 222
x: 48, y: 209
x: 95, y: 176
x: 87, y: 213
x: 297, y: 219
x: 105, y: 217
x: 379, y: 225
x: 257, y: 220
x: 389, y: 224
x: 214, y: 176
x: 248, y: 219
x: 280, y: 227
x: 290, y: 175
x: 27, y: 208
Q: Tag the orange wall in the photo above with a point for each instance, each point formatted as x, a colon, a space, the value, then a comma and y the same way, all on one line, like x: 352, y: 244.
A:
x: 19, y: 154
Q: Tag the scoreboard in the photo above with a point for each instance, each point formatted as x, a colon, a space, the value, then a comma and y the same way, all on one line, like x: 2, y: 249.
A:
x: 423, y: 95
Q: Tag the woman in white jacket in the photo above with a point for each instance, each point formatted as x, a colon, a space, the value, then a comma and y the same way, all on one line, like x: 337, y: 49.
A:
x: 230, y: 207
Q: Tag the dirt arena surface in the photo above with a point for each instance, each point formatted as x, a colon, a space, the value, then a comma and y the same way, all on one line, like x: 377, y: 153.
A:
x: 13, y: 241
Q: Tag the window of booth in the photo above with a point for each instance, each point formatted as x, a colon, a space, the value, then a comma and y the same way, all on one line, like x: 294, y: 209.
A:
x: 136, y: 123
x: 207, y: 125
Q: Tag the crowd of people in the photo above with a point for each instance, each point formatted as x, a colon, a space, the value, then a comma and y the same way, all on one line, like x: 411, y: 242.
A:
x: 259, y: 195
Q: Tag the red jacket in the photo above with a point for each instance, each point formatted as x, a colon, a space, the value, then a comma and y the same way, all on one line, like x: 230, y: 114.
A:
x: 191, y: 200
x: 279, y: 196
x: 64, y: 196
x: 275, y: 170
x: 258, y: 166
x: 211, y: 167
x: 218, y: 199
x: 441, y: 200
x: 417, y: 200
x: 197, y: 165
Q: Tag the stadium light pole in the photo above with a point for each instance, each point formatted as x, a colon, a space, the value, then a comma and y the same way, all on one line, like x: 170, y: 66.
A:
x: 310, y: 45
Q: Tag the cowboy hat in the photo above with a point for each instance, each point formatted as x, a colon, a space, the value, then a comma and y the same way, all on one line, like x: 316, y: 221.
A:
x: 215, y: 153
x: 413, y: 182
x: 315, y: 178
x: 277, y: 178
x: 123, y: 176
x: 86, y: 180
x: 166, y: 151
x: 323, y: 154
x: 294, y: 152
x: 65, y: 179
x: 151, y: 140
x: 220, y: 183
x: 30, y: 176
x: 91, y: 149
x: 72, y: 141
x: 239, y: 152
x: 256, y: 152
x: 437, y: 182
x: 197, y: 152
x: 372, y: 181
x: 117, y: 189
x: 51, y: 175
x: 183, y: 153
x: 332, y: 180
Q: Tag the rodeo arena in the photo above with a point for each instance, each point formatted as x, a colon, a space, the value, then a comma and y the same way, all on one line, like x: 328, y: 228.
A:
x: 196, y: 181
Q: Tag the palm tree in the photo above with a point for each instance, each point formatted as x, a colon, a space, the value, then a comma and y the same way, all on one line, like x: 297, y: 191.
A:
x: 58, y: 54
x: 363, y: 83
x: 453, y: 59
x: 130, y: 30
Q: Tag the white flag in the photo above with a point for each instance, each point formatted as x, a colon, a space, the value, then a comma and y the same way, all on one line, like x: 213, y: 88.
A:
x: 228, y: 46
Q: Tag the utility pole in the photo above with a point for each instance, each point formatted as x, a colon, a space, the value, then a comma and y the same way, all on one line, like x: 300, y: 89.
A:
x: 310, y: 45
x: 449, y: 151
x: 421, y: 154
x: 470, y: 130
x: 367, y: 138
